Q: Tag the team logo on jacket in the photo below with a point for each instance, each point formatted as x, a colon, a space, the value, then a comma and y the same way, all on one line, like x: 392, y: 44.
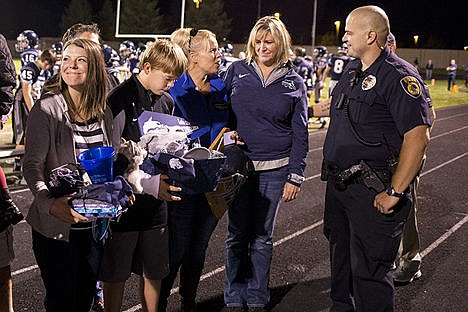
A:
x: 368, y: 82
x: 411, y: 86
x: 288, y: 84
x: 175, y: 163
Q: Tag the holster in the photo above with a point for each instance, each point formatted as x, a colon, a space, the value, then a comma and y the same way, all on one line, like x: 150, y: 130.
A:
x: 361, y: 173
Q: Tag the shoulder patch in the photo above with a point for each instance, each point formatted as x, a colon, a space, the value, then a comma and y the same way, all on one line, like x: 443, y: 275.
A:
x: 411, y: 86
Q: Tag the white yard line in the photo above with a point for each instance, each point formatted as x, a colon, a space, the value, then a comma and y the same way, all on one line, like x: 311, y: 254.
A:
x: 434, y: 245
x: 221, y: 269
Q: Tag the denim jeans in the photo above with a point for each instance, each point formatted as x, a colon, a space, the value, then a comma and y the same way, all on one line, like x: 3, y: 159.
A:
x: 249, y: 244
x: 191, y: 224
x: 68, y: 277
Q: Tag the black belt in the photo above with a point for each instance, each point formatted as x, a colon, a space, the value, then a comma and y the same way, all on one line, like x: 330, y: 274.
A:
x: 360, y: 173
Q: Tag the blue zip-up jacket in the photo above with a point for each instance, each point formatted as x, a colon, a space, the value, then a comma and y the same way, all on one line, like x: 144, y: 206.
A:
x: 209, y: 112
x: 271, y: 116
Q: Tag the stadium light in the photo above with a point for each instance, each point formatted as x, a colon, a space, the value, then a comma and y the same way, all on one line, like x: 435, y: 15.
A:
x: 416, y: 38
x: 277, y: 15
x: 337, y: 26
x: 197, y: 3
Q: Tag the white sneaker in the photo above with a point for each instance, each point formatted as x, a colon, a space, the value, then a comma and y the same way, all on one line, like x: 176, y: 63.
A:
x: 404, y: 275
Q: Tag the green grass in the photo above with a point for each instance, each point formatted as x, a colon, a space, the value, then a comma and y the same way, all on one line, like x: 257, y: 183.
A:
x: 441, y: 97
x: 439, y: 94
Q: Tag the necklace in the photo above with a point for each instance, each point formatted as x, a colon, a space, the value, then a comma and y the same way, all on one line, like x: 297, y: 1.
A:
x: 201, y: 86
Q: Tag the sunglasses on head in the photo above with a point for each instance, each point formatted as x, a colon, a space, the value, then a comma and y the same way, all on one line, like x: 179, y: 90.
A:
x: 193, y: 33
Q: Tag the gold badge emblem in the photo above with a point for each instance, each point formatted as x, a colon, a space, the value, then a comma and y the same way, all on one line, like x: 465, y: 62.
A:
x: 411, y: 86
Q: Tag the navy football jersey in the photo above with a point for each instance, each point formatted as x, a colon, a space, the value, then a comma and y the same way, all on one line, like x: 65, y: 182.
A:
x: 30, y: 74
x: 305, y: 69
x: 29, y: 55
x: 337, y: 64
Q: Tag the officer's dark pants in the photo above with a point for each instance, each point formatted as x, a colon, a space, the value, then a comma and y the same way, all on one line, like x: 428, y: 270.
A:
x: 363, y: 245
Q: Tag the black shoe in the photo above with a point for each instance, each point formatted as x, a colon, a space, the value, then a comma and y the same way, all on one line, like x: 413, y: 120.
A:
x: 257, y: 309
x: 232, y: 309
x: 9, y: 213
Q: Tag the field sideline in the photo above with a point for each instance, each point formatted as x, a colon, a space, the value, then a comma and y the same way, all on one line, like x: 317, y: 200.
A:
x: 439, y: 94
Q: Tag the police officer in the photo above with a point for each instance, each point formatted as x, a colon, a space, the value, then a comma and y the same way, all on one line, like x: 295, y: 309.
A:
x: 373, y: 150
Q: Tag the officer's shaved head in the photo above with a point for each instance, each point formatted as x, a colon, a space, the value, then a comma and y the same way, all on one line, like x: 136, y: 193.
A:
x: 373, y: 18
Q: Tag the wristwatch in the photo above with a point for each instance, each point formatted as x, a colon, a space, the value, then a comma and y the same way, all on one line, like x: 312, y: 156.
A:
x: 391, y: 192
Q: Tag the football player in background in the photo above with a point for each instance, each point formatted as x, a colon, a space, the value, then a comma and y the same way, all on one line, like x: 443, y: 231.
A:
x: 304, y: 68
x: 320, y: 63
x: 29, y: 92
x: 335, y: 66
x: 27, y: 44
x: 128, y: 58
x: 57, y: 49
x: 111, y: 59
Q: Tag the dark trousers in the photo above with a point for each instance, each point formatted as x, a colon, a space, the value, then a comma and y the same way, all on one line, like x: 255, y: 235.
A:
x: 191, y: 224
x: 363, y: 246
x: 68, y: 278
x: 451, y: 79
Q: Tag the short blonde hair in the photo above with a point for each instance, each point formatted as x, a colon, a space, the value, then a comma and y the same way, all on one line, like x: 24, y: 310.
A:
x: 165, y: 56
x: 274, y: 26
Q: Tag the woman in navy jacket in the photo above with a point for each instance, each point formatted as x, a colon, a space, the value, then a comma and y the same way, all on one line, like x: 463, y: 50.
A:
x: 269, y: 102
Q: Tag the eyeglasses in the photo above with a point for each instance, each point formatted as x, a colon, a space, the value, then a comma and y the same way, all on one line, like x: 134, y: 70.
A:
x: 193, y: 33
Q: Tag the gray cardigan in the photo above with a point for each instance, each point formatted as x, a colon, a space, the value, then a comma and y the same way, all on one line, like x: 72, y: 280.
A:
x: 50, y: 144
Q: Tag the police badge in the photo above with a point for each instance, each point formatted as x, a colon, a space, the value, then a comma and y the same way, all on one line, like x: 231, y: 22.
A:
x: 368, y: 82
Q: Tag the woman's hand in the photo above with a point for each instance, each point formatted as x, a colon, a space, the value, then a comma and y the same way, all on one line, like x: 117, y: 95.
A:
x: 290, y: 191
x: 238, y: 140
x: 62, y: 211
x: 164, y: 189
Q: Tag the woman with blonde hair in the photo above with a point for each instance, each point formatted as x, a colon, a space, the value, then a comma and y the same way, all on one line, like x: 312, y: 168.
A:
x: 70, y: 117
x: 199, y: 96
x: 269, y: 102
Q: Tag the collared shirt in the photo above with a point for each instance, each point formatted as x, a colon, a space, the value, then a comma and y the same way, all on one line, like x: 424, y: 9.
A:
x: 382, y: 103
x: 209, y: 113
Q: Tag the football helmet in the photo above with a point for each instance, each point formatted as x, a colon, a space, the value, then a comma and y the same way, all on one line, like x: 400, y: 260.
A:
x: 126, y: 48
x: 300, y: 51
x: 27, y: 39
x: 343, y: 49
x: 142, y: 48
x: 320, y: 51
x: 111, y: 58
x: 57, y: 47
x: 227, y: 49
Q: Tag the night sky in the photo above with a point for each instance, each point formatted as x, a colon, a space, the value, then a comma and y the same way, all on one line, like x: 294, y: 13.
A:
x: 446, y: 20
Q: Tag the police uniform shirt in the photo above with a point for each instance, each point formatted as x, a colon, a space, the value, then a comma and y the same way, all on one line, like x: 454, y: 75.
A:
x: 382, y: 103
